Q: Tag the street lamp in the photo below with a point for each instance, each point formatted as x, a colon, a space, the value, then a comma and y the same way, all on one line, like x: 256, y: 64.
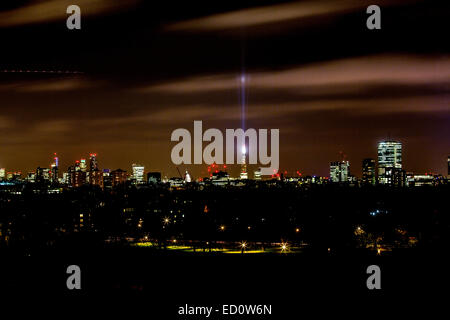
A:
x: 284, y: 246
x: 243, y: 245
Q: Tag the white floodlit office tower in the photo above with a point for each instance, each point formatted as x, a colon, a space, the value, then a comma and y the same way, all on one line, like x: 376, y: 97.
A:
x: 138, y: 173
x: 389, y: 160
x: 339, y: 171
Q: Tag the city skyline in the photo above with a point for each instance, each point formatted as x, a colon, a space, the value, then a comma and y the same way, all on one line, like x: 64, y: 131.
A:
x: 237, y: 168
x: 327, y: 82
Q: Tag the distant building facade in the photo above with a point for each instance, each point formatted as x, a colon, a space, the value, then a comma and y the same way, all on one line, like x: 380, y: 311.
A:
x: 138, y: 173
x: 42, y: 174
x: 420, y: 180
x: 118, y: 177
x: 368, y: 172
x: 78, y: 178
x: 153, y: 177
x: 389, y: 161
x: 95, y: 175
x: 107, y: 182
x: 83, y: 165
x: 339, y: 171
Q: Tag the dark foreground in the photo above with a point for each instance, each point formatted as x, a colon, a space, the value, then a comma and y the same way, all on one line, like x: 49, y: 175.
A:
x: 160, y: 282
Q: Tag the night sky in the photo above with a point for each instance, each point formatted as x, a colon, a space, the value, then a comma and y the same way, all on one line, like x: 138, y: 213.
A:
x: 137, y: 71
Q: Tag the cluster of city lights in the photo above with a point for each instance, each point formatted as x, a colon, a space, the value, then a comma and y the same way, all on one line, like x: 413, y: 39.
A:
x: 215, y: 168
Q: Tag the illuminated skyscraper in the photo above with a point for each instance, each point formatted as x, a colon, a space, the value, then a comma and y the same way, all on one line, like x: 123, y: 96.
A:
x: 70, y: 171
x: 83, y: 165
x: 77, y: 166
x: 78, y: 178
x: 138, y: 173
x: 95, y: 175
x: 54, y: 168
x: 66, y: 178
x: 339, y: 171
x: 77, y: 173
x: 93, y: 165
x: 42, y: 174
x: 368, y: 171
x: 244, y: 174
x: 389, y: 161
x: 2, y: 173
